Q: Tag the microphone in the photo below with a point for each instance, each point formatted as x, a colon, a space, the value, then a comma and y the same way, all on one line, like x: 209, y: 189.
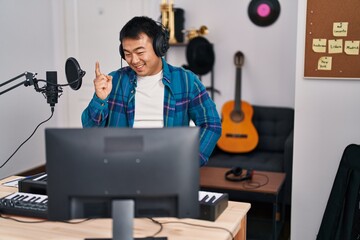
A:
x: 73, y: 73
x: 74, y: 76
x: 51, y: 89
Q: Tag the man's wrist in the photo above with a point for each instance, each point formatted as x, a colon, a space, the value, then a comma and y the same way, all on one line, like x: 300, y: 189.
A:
x: 99, y: 101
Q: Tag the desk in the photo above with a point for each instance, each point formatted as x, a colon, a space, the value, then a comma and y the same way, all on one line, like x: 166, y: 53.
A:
x: 212, y: 179
x: 233, y: 219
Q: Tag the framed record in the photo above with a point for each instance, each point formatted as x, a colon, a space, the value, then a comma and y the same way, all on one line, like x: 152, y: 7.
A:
x: 264, y: 12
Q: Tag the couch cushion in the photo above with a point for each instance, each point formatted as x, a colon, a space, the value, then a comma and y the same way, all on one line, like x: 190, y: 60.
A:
x: 273, y: 124
x: 264, y: 161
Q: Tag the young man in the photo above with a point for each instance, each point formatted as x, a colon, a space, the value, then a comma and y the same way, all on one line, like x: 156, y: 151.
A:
x: 150, y: 92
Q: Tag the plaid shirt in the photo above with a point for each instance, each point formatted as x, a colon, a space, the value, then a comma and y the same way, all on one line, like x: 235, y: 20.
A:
x: 185, y: 99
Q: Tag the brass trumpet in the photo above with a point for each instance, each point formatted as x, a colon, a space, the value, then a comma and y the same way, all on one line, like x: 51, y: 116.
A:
x: 168, y: 18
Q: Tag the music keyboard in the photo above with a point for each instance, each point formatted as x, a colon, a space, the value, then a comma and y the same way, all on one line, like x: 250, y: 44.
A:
x: 24, y: 204
x: 35, y: 205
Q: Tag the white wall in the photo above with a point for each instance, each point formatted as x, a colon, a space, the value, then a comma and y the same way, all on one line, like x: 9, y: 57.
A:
x: 26, y: 44
x: 269, y: 66
x: 326, y: 121
x: 92, y: 34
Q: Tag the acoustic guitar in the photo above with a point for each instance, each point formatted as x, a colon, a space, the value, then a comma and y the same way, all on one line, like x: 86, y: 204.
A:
x: 238, y: 135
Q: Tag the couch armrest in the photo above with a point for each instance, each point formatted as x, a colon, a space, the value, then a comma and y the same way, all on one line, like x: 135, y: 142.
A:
x: 288, y: 152
x: 288, y: 164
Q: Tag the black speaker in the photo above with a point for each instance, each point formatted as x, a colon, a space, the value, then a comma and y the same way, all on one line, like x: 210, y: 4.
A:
x: 179, y: 24
x: 160, y: 42
x: 236, y: 174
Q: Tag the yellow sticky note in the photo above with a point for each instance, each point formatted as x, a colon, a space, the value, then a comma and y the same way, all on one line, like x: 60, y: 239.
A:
x: 319, y: 45
x: 325, y: 63
x: 336, y: 46
x: 352, y: 47
x: 340, y: 29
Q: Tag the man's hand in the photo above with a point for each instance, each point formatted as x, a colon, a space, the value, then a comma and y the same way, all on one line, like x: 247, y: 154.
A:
x: 102, y: 83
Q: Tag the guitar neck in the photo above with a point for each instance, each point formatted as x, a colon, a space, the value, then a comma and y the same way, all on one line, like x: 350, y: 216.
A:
x: 237, y: 107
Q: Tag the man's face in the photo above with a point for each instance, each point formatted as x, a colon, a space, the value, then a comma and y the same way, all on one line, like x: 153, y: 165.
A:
x: 140, y: 55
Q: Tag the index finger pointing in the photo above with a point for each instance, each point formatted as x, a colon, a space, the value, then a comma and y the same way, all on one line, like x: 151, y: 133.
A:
x: 97, y: 69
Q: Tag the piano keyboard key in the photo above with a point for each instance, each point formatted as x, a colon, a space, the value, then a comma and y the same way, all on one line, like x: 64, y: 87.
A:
x: 24, y: 204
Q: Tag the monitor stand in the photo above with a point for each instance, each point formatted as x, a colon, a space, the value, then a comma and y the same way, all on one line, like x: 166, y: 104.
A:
x: 123, y: 222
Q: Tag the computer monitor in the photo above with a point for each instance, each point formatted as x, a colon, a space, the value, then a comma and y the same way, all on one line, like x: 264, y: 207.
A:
x: 145, y: 172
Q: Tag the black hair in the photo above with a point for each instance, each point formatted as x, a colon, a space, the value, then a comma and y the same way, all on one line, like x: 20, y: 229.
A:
x: 140, y: 24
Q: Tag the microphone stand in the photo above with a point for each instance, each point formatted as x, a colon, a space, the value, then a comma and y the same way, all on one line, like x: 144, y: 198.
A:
x: 49, y: 91
x: 30, y: 80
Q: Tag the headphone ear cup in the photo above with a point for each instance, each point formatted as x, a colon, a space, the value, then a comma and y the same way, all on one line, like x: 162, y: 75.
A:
x: 237, y: 171
x: 121, y: 51
x: 161, y: 42
x: 238, y: 175
x: 249, y: 174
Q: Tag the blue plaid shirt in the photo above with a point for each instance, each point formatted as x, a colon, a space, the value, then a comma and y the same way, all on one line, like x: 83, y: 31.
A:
x: 185, y: 99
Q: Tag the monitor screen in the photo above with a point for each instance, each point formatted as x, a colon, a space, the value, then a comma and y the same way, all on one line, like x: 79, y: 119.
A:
x: 89, y: 169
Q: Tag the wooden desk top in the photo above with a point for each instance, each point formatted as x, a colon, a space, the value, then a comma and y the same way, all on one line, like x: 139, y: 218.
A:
x: 213, y: 177
x: 233, y: 219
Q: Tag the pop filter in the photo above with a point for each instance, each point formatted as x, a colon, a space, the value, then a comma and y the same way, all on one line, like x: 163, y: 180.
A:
x: 73, y: 73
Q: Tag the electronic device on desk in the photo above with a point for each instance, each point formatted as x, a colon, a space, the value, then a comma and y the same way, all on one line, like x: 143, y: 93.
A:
x: 35, y: 205
x: 212, y: 204
x: 25, y: 204
x: 36, y: 184
x: 122, y: 173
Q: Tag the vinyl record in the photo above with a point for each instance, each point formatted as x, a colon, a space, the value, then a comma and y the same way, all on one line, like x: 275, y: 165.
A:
x: 264, y: 12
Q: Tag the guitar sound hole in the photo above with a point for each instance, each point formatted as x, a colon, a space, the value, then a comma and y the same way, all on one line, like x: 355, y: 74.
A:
x: 237, y: 116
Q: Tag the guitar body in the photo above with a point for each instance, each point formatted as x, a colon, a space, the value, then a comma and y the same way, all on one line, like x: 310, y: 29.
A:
x: 238, y: 135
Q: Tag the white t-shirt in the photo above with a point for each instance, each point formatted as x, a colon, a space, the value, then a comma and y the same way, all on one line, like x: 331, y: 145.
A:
x: 149, y: 102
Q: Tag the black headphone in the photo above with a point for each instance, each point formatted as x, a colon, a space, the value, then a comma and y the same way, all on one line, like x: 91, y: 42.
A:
x: 238, y: 174
x: 160, y: 42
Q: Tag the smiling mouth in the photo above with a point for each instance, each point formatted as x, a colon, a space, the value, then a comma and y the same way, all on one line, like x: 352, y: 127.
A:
x: 139, y: 66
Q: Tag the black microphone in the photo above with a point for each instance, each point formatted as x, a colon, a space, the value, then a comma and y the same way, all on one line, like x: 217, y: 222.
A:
x: 73, y: 73
x: 51, y: 89
x: 74, y: 76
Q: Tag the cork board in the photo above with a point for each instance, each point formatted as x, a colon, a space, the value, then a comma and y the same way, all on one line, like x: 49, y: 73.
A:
x: 332, y: 39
